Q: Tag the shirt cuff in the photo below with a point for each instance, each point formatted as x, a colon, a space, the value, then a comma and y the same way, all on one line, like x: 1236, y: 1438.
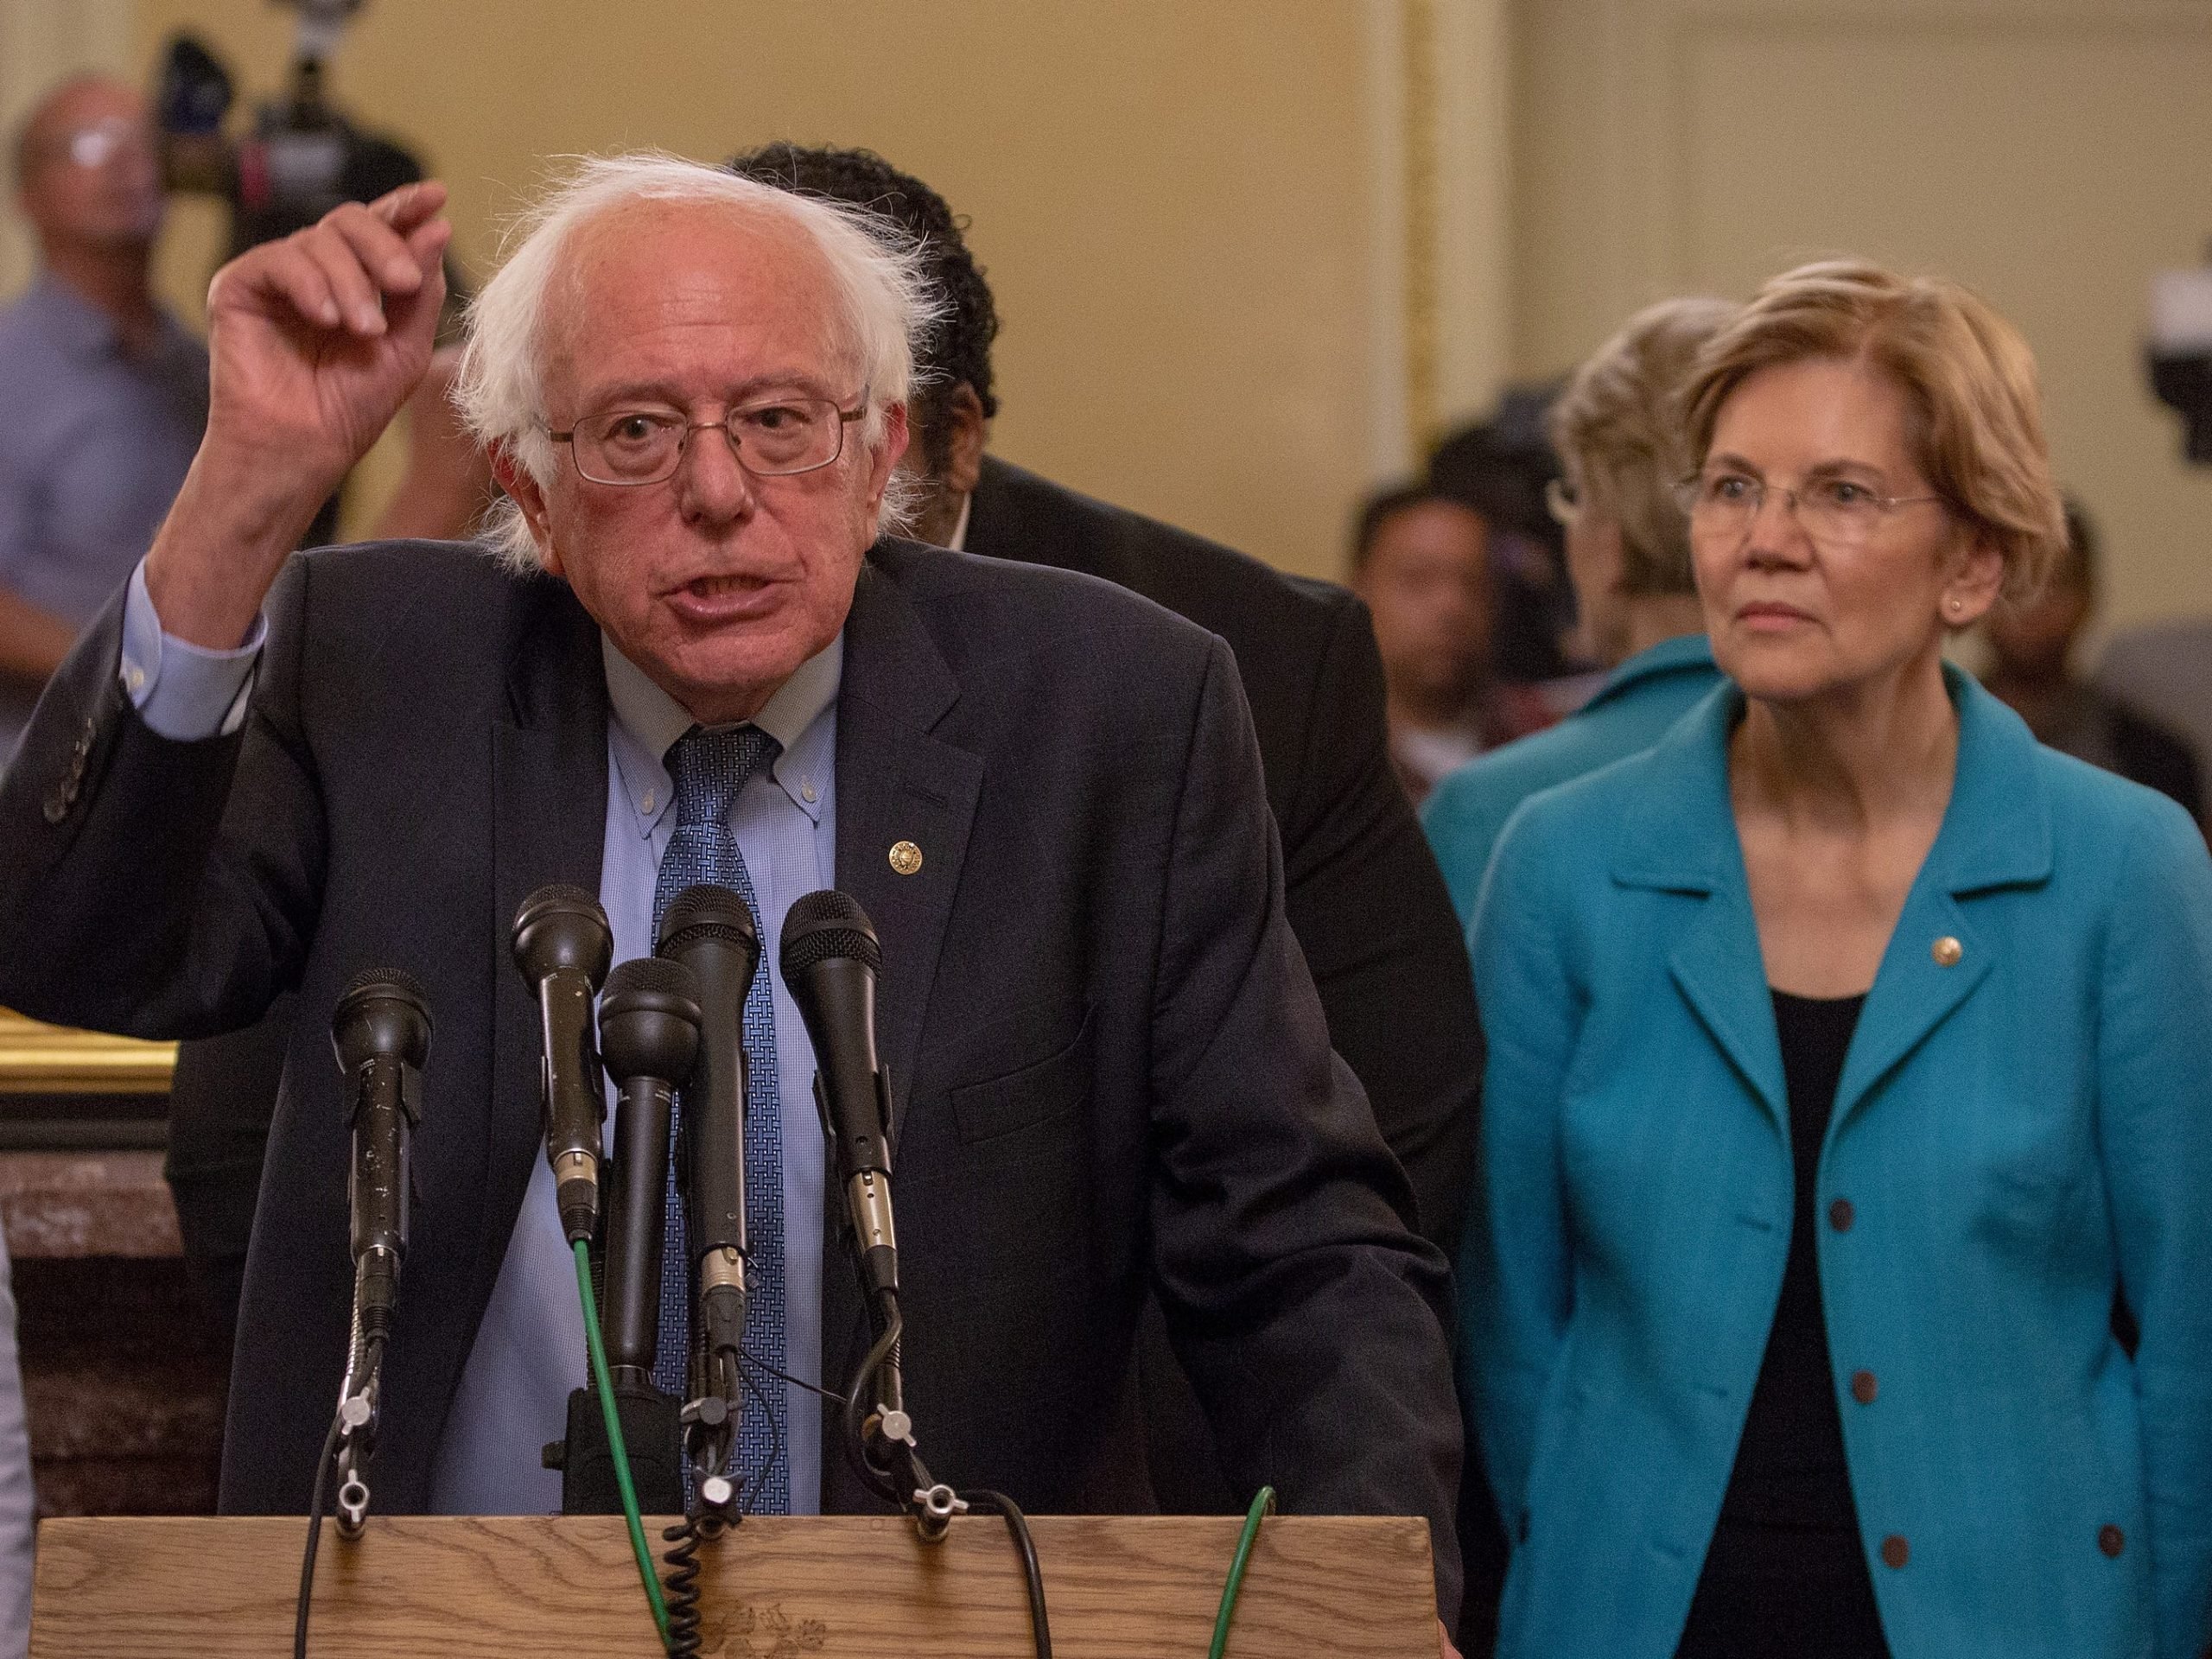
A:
x: 182, y: 691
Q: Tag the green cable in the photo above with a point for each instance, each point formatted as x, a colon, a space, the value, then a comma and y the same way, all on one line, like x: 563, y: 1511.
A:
x: 1264, y: 1504
x: 606, y: 1386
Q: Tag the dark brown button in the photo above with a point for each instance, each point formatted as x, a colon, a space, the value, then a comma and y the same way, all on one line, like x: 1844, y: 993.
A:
x: 2111, y: 1540
x: 1862, y: 1387
x: 1895, y: 1551
x: 1841, y: 1215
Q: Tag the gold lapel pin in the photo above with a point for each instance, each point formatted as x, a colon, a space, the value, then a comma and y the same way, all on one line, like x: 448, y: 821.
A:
x: 1947, y: 951
x: 906, y: 857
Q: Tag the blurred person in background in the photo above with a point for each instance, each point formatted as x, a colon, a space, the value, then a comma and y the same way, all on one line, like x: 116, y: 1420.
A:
x: 1504, y: 467
x: 1421, y: 562
x: 106, y: 393
x: 1616, y: 428
x: 2031, y: 667
x: 1848, y: 1062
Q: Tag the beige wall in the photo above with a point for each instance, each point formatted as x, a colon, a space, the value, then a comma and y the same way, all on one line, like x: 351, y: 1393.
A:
x: 1171, y: 198
x: 2051, y: 153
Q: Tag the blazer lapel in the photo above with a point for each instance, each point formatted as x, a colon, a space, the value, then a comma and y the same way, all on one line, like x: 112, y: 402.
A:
x: 902, y: 795
x: 1682, y: 839
x: 1996, y: 833
x: 548, y: 822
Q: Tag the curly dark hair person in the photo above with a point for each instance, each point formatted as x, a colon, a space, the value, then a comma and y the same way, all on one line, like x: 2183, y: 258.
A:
x: 959, y: 347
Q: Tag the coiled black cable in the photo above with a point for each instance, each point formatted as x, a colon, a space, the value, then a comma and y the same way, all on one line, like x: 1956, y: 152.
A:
x: 680, y: 1585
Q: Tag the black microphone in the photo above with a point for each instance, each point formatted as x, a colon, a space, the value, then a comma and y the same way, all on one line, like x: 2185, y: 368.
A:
x: 709, y: 929
x: 830, y: 960
x: 381, y: 1031
x: 562, y: 945
x: 649, y: 1038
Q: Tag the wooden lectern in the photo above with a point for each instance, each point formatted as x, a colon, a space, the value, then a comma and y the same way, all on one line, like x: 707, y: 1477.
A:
x: 841, y: 1587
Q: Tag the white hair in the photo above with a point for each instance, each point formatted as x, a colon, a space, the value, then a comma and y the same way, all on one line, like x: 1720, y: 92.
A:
x: 881, y: 284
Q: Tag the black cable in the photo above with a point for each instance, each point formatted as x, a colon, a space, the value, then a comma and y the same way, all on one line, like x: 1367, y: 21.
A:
x: 680, y: 1589
x: 759, y: 1363
x: 775, y: 1435
x: 314, y: 1537
x: 990, y: 1502
x: 876, y: 1480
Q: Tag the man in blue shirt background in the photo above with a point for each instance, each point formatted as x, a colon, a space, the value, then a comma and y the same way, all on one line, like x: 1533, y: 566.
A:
x: 107, y: 394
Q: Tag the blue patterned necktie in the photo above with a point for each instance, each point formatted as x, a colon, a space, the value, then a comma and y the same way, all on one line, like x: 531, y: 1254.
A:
x: 710, y: 769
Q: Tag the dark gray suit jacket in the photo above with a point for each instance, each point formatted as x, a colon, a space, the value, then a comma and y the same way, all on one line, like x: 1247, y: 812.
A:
x: 1111, y: 1069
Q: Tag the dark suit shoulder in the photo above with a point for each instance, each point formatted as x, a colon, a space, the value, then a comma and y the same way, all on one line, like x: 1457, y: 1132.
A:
x: 1016, y: 515
x: 417, y: 620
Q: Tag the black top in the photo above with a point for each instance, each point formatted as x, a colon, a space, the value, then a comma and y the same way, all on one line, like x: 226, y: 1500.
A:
x: 1786, y: 1571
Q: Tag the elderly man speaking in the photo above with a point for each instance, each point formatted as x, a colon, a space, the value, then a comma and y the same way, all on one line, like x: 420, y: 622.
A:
x: 697, y: 650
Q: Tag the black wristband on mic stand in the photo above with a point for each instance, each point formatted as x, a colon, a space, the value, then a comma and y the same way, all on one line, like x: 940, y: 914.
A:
x: 710, y: 931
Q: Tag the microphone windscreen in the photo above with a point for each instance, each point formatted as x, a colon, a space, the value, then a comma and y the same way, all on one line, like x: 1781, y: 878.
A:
x: 382, y: 1012
x: 653, y: 974
x: 708, y: 909
x: 827, y: 925
x: 559, y: 926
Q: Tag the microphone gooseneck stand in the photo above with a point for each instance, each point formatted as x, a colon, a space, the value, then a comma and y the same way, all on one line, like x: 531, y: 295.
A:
x: 381, y: 1033
x: 829, y: 959
x: 648, y: 1036
x: 708, y: 931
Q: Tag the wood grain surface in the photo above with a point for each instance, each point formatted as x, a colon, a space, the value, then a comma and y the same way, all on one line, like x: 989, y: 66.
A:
x: 1117, y: 1588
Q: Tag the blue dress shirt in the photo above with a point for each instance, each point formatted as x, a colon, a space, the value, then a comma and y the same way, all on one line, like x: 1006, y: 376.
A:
x: 94, y: 444
x: 529, y: 1352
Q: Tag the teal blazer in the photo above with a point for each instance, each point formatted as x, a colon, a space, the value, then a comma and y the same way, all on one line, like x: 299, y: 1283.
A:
x: 1464, y: 814
x: 2023, y: 1127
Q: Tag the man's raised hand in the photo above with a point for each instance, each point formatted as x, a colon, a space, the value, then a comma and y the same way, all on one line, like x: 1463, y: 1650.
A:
x: 315, y: 343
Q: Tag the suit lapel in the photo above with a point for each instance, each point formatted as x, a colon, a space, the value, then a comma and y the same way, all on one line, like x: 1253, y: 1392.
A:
x: 1996, y: 833
x: 1680, y: 839
x: 548, y: 821
x: 899, y: 788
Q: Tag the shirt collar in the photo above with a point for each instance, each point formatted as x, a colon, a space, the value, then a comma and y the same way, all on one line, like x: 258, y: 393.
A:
x: 647, y: 721
x: 84, y: 331
x: 958, y: 540
x: 1684, y: 651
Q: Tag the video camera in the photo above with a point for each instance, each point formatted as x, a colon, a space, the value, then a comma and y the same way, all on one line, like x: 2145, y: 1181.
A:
x: 301, y: 157
x: 2181, y: 353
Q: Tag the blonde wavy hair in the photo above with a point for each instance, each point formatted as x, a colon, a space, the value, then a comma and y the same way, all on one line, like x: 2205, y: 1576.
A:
x: 1618, y: 431
x: 1975, y: 428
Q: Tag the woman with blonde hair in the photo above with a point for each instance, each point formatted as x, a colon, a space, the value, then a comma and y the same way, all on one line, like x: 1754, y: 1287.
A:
x: 1849, y: 1058
x: 1618, y: 431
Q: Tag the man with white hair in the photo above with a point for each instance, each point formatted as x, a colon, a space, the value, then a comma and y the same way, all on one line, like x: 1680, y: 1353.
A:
x: 262, y: 772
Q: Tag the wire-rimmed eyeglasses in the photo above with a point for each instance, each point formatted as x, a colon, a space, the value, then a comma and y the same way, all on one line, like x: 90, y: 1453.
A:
x: 1839, y: 511
x: 774, y: 437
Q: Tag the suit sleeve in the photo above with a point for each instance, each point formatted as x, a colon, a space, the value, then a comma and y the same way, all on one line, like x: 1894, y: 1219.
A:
x: 1370, y: 912
x: 2154, y: 1110
x: 1515, y: 1276
x: 151, y: 886
x: 1311, y: 1320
